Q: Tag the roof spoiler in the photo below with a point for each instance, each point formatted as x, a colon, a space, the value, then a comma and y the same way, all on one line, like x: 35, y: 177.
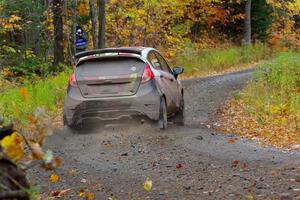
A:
x: 106, y: 50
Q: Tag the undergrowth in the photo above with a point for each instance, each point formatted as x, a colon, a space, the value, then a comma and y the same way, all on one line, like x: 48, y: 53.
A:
x: 20, y: 103
x: 275, y: 90
x: 269, y: 107
x: 206, y: 61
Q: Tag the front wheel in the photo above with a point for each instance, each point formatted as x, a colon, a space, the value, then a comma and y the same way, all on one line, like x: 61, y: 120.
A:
x: 180, y: 115
x: 163, y: 115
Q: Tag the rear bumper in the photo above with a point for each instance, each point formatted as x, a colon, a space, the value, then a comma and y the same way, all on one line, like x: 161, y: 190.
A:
x: 145, y: 102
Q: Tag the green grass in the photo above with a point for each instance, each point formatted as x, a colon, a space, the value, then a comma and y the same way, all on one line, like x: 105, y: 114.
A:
x: 205, y: 61
x: 47, y: 93
x: 275, y: 91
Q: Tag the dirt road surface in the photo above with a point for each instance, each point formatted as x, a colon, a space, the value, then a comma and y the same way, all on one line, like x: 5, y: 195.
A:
x: 190, y: 162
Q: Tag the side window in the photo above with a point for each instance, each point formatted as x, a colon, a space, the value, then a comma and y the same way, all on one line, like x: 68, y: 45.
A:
x: 153, y: 60
x: 164, y: 64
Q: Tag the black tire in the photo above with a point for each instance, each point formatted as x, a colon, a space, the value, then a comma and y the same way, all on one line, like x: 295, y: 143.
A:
x: 180, y: 115
x: 72, y: 127
x: 163, y: 115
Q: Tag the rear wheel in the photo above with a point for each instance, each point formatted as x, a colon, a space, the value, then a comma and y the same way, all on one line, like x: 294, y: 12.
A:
x: 72, y: 126
x: 179, y: 116
x: 163, y: 115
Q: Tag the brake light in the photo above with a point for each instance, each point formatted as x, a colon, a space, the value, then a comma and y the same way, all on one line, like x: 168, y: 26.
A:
x: 148, y: 74
x: 72, y: 80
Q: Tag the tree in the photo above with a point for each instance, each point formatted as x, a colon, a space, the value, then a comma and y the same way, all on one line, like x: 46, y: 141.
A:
x: 261, y: 20
x: 94, y: 24
x: 247, y: 21
x: 57, y: 9
x: 102, y: 19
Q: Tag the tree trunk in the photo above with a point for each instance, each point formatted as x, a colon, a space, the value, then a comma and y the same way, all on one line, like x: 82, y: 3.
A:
x: 247, y: 22
x: 57, y: 9
x: 94, y: 24
x: 101, y: 12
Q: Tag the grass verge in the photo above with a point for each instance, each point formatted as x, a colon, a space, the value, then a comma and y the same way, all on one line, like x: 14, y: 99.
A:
x: 201, y: 62
x: 269, y: 108
x: 20, y: 103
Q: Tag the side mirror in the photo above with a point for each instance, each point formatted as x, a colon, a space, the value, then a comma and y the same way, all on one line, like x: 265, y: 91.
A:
x: 177, y: 71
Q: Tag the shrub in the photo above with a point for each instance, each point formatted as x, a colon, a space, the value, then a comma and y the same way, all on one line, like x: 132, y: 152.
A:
x: 19, y: 103
x: 275, y: 91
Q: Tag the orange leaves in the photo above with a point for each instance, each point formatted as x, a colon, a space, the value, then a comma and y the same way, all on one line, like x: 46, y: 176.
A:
x: 232, y: 140
x: 24, y: 94
x: 220, y: 15
x: 54, y: 178
x: 13, y: 22
x: 83, y: 9
x: 277, y: 127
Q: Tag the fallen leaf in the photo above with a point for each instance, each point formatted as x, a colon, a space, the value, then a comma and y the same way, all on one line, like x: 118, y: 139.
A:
x: 37, y: 151
x: 89, y: 196
x: 54, y: 178
x: 148, y: 185
x: 249, y: 196
x: 274, y: 173
x: 59, y: 193
x: 235, y: 163
x: 72, y: 172
x: 179, y: 165
x: 81, y: 193
x: 231, y: 140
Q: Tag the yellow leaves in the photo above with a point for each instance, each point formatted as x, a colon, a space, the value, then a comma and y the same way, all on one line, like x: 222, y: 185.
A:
x: 148, y: 184
x: 54, y: 178
x: 14, y: 18
x: 13, y: 146
x: 29, y: 53
x: 82, y: 193
x: 278, y: 109
x: 13, y: 22
x: 86, y: 195
x: 89, y: 196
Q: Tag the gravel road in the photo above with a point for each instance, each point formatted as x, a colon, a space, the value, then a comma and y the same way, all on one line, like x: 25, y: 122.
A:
x: 190, y: 162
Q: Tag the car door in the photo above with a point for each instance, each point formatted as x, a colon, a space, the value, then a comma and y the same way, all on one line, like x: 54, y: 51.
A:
x: 163, y: 79
x: 170, y: 81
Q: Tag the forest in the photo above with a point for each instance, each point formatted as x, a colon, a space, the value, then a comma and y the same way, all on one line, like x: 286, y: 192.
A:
x: 209, y: 38
x: 37, y: 36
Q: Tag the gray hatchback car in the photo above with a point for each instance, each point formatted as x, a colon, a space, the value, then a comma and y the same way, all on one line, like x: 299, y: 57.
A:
x: 116, y: 83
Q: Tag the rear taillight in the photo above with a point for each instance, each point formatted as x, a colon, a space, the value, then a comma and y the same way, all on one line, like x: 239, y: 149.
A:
x: 72, y: 80
x: 148, y: 74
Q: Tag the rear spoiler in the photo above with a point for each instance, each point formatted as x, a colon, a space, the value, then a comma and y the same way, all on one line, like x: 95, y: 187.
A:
x: 107, y: 50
